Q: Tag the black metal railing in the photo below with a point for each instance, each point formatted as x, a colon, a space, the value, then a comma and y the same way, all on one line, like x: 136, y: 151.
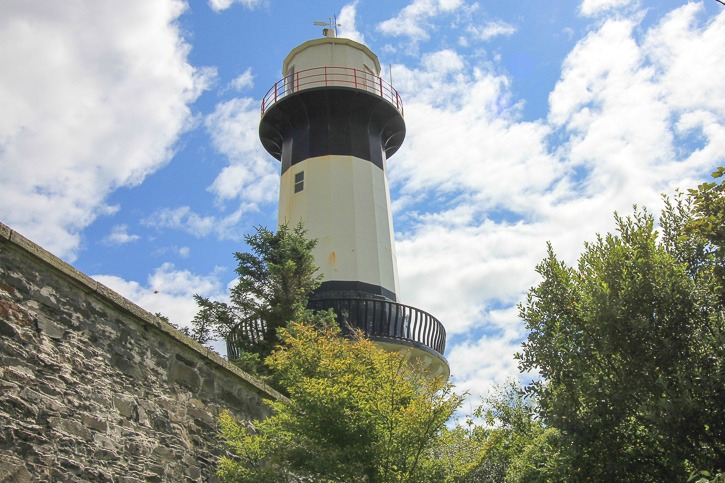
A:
x: 386, y: 320
x: 378, y: 319
x: 243, y: 334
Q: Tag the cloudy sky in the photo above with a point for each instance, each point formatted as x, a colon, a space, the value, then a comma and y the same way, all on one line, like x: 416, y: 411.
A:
x: 129, y: 147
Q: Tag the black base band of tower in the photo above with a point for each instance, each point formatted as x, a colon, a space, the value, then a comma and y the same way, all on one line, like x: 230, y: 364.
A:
x: 353, y: 289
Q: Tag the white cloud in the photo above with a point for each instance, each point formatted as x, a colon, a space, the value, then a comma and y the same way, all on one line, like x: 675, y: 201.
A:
x: 590, y: 8
x: 252, y: 175
x: 491, y: 29
x: 679, y: 47
x: 168, y: 291
x: 346, y: 19
x: 119, y: 236
x: 497, y: 161
x: 483, y: 190
x: 183, y: 218
x: 219, y: 5
x: 413, y: 20
x: 182, y: 252
x: 477, y: 365
x: 243, y: 81
x: 95, y: 99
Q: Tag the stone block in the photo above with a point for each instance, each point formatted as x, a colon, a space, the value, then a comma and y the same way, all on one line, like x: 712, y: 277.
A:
x: 104, y: 454
x: 201, y: 415
x: 70, y: 427
x: 49, y: 328
x: 123, y: 303
x: 7, y: 330
x: 14, y: 470
x: 189, y: 361
x: 125, y: 406
x: 49, y: 390
x: 15, y: 315
x: 186, y: 376
x: 20, y: 406
x: 194, y: 473
x: 71, y: 465
x: 136, y: 448
x: 126, y: 367
x: 21, y: 374
x: 94, y: 422
x: 164, y: 453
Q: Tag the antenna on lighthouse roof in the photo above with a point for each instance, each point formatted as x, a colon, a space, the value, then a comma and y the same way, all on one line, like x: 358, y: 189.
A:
x: 331, y: 26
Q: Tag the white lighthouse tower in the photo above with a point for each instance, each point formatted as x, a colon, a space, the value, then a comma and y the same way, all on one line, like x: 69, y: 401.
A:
x: 333, y: 123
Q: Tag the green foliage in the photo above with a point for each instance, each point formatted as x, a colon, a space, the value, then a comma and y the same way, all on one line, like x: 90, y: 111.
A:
x: 355, y: 413
x: 459, y: 451
x: 709, y: 211
x: 706, y: 476
x: 519, y: 439
x: 630, y: 348
x: 511, y: 444
x: 708, y: 223
x: 275, y: 278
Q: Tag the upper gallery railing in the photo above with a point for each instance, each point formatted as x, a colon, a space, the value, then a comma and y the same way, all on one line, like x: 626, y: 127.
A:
x: 331, y: 76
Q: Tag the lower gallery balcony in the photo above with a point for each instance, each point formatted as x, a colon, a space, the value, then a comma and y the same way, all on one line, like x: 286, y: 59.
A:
x: 391, y: 325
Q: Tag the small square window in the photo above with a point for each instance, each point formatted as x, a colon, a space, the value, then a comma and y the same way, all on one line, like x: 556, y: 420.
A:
x: 299, y: 181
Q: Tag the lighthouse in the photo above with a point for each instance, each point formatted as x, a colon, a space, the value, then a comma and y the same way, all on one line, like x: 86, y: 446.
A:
x: 333, y: 123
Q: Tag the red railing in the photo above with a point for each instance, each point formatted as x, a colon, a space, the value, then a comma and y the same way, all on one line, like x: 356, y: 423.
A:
x: 327, y: 76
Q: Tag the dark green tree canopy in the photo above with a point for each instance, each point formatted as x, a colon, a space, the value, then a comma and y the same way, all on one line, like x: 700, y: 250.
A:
x: 629, y: 346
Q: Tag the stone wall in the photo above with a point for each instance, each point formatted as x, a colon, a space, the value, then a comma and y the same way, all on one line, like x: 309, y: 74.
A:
x: 94, y: 388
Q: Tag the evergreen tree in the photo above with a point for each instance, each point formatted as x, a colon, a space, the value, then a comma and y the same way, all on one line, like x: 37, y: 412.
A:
x: 275, y: 278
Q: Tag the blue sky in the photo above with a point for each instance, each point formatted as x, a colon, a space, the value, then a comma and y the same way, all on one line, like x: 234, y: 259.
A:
x: 128, y: 139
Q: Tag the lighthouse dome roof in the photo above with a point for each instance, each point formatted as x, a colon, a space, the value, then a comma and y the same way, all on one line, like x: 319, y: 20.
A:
x: 331, y: 51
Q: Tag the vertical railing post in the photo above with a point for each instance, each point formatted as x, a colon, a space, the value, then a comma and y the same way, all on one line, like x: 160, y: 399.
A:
x: 354, y: 75
x: 275, y: 91
x: 380, y: 80
x: 325, y: 76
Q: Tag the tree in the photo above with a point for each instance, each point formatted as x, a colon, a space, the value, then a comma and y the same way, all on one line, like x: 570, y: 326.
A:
x: 275, y: 279
x: 629, y: 346
x: 707, y: 224
x: 355, y: 413
x: 503, y: 440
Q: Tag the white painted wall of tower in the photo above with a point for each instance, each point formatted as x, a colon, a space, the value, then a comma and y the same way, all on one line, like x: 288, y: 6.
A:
x: 345, y: 205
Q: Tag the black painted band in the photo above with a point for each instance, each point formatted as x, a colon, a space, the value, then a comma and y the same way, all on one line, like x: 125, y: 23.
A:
x: 352, y: 289
x: 331, y: 121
